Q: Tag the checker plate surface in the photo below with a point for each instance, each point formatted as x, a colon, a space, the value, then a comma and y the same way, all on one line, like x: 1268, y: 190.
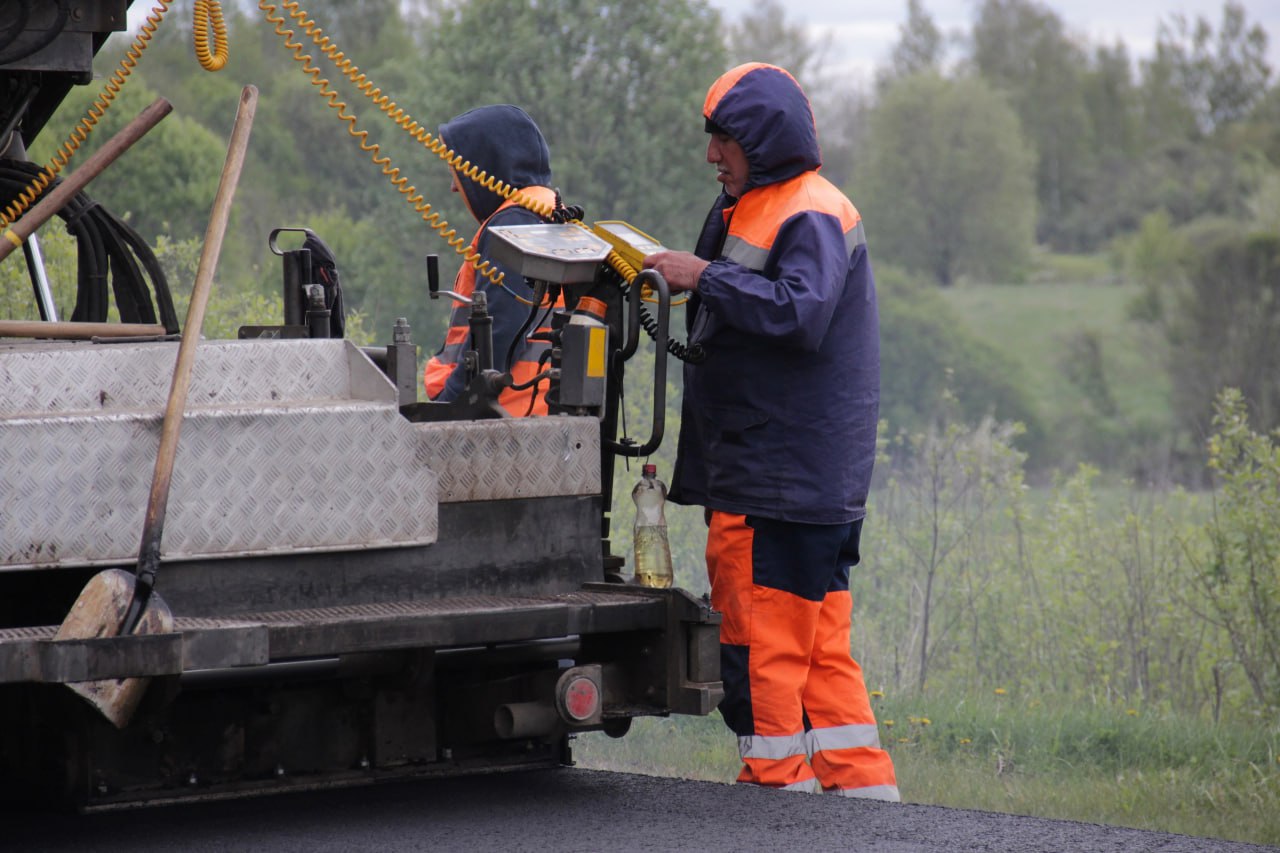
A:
x: 285, y: 446
x: 513, y: 457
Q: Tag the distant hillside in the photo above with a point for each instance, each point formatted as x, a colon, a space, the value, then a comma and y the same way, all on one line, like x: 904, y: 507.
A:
x: 1097, y: 378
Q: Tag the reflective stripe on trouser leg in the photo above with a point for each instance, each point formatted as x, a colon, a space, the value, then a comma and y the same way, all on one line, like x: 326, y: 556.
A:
x: 843, y: 741
x: 766, y: 643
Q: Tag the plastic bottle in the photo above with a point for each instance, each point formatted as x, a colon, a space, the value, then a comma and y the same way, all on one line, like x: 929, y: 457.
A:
x: 652, y: 551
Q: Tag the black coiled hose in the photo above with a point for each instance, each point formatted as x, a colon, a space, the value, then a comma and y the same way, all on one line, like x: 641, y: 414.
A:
x: 692, y: 354
x: 113, y: 259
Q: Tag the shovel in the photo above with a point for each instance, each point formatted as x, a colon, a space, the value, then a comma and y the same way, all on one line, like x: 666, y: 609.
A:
x: 116, y: 602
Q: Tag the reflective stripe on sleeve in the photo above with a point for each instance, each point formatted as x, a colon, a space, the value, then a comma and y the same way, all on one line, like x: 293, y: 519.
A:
x: 855, y: 237
x: 741, y: 252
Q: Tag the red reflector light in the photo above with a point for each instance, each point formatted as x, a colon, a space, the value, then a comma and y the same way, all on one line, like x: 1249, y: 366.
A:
x: 581, y: 698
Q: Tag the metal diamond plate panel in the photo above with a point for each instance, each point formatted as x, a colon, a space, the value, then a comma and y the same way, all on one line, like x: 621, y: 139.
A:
x: 326, y: 464
x: 64, y: 378
x: 513, y: 457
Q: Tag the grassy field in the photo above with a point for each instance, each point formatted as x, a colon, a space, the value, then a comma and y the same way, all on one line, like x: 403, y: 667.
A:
x: 1054, y: 326
x: 1116, y: 766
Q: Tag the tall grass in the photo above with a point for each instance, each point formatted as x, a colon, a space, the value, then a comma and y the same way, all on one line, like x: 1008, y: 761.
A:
x: 1018, y: 755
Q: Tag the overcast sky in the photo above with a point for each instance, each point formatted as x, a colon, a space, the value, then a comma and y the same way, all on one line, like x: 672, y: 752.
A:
x: 864, y: 31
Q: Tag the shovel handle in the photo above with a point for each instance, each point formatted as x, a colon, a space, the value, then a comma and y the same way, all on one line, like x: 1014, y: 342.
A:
x: 153, y: 523
x: 58, y: 197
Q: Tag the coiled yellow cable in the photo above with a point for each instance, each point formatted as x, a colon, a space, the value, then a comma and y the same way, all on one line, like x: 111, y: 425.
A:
x: 389, y: 108
x: 411, y: 195
x: 436, y: 146
x: 96, y: 110
x: 210, y: 12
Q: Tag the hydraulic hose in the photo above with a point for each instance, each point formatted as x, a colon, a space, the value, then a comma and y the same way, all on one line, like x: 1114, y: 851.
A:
x: 113, y: 258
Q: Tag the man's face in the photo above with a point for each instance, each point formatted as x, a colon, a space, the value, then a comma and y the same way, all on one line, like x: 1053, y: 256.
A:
x: 730, y: 162
x: 456, y: 186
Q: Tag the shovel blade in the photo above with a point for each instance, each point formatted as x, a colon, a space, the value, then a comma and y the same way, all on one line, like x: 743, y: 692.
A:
x: 97, y: 614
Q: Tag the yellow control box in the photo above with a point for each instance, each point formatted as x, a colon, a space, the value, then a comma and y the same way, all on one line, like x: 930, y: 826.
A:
x: 627, y: 240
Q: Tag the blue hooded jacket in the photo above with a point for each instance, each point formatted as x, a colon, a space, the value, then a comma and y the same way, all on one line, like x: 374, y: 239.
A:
x: 503, y: 141
x: 779, y: 420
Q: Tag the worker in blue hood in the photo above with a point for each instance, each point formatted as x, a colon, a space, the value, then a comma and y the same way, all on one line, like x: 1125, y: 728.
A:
x: 778, y: 436
x: 504, y: 142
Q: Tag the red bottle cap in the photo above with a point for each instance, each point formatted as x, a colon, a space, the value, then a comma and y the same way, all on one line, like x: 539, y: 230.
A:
x: 648, y: 470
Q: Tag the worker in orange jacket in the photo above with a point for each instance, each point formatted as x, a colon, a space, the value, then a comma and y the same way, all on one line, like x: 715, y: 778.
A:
x: 778, y: 437
x: 503, y: 141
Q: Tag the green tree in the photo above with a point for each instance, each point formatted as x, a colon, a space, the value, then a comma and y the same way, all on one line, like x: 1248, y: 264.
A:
x: 164, y: 183
x: 919, y: 48
x: 947, y: 188
x: 1240, y: 575
x: 927, y: 356
x: 1213, y: 78
x: 1223, y: 325
x: 616, y: 88
x: 1021, y: 47
x: 1110, y: 204
x: 764, y: 34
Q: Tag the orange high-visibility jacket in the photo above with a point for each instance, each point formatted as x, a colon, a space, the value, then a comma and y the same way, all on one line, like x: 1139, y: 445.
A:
x: 441, y: 378
x: 505, y: 143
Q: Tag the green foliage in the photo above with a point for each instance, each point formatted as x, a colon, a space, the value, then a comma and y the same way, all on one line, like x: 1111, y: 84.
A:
x: 1215, y: 78
x: 1222, y: 324
x: 937, y: 512
x: 971, y: 580
x: 919, y: 48
x: 1240, y: 574
x: 1264, y: 203
x: 1022, y: 49
x: 765, y: 35
x: 1040, y: 325
x: 616, y: 88
x: 929, y: 355
x: 17, y: 296
x: 947, y: 189
x: 164, y: 183
x: 1154, y: 258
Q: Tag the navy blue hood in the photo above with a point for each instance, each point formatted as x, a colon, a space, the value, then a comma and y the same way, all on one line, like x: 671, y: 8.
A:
x: 503, y: 141
x: 764, y: 110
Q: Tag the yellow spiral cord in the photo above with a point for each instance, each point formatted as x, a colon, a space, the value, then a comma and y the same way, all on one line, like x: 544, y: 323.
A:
x: 401, y: 183
x: 96, y: 110
x: 403, y: 120
x: 210, y: 9
x: 209, y: 12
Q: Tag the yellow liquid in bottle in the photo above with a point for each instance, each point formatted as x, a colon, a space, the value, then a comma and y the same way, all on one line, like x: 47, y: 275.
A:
x: 653, y: 557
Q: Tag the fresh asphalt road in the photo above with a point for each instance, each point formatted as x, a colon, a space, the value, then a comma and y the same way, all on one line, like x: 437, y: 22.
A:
x: 573, y: 810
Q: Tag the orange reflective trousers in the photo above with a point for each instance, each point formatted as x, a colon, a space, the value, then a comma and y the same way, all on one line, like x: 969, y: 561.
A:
x: 794, y: 695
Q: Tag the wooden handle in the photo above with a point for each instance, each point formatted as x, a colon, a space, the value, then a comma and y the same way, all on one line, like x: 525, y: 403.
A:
x: 77, y: 331
x: 149, y: 553
x: 58, y: 197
